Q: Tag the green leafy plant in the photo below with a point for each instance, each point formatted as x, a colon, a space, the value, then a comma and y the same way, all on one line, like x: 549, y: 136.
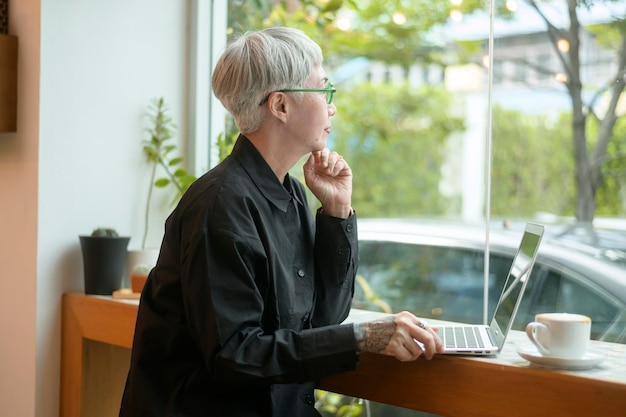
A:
x: 331, y: 404
x: 160, y: 153
x: 225, y: 144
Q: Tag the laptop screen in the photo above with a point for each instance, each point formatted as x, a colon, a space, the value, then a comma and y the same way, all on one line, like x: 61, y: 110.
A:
x: 516, y: 281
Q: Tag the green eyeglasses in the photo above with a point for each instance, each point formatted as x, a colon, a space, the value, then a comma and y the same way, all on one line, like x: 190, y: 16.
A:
x: 330, y: 91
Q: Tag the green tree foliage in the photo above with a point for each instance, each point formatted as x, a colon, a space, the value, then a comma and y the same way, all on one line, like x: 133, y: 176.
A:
x: 373, y: 33
x: 533, y: 167
x: 393, y: 174
x: 393, y: 137
x: 589, y: 152
x: 611, y: 197
x: 244, y: 15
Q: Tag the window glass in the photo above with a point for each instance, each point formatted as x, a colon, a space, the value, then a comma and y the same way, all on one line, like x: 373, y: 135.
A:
x: 555, y: 291
x: 432, y: 133
x: 444, y: 283
x: 427, y: 137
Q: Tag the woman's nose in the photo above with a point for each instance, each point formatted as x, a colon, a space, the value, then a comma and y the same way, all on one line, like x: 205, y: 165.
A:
x: 332, y: 110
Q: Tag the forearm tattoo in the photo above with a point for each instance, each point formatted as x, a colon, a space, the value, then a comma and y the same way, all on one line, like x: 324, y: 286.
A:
x: 373, y: 336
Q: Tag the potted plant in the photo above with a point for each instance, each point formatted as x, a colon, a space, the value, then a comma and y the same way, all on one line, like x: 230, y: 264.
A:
x: 160, y: 152
x: 104, y: 258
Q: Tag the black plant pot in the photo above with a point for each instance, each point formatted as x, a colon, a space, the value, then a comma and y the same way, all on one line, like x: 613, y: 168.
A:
x: 104, y: 259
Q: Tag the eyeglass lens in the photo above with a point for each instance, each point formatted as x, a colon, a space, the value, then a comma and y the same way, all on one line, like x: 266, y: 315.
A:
x: 330, y: 92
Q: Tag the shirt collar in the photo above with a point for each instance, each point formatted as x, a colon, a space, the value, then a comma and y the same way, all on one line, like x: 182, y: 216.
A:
x: 262, y: 175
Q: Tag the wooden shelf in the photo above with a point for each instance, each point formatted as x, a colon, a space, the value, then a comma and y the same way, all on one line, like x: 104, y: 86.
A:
x: 8, y: 83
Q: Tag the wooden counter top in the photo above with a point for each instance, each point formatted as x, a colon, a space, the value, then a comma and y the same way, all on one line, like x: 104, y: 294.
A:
x: 505, y: 385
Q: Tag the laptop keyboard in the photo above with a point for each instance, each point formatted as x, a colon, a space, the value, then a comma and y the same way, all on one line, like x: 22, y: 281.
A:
x: 462, y: 337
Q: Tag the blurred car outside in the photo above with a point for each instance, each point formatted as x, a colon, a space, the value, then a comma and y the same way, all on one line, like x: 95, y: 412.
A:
x: 435, y: 268
x: 604, y: 237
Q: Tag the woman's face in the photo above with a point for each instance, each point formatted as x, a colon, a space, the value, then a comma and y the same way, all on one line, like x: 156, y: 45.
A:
x: 310, y: 121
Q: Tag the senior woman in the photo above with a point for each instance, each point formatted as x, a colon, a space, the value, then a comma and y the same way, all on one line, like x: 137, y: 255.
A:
x: 243, y: 311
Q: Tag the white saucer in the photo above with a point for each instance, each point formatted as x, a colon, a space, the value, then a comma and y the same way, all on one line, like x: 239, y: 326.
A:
x: 591, y: 359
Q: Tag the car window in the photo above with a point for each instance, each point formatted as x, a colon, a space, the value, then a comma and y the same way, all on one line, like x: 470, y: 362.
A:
x: 553, y: 290
x: 431, y: 281
x: 446, y: 283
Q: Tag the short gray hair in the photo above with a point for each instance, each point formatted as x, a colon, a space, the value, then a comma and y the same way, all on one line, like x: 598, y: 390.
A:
x: 258, y: 63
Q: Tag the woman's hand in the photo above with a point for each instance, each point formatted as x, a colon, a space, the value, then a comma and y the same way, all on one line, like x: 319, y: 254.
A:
x: 402, y: 336
x: 329, y: 178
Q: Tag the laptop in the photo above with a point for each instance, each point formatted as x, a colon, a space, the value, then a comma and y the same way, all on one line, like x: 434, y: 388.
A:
x: 483, y: 340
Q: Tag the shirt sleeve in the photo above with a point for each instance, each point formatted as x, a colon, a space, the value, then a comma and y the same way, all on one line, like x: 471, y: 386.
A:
x: 336, y: 263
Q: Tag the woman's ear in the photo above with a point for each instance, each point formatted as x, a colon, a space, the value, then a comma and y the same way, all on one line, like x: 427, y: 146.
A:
x: 277, y: 105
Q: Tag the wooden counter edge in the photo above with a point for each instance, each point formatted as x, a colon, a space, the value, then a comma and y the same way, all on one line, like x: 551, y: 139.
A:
x: 446, y: 385
x: 462, y: 386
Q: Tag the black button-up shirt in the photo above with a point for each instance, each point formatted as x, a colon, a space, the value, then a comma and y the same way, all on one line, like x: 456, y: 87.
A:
x: 241, y: 312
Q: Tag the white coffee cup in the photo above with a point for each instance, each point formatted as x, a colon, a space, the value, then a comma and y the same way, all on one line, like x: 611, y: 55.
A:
x: 560, y: 335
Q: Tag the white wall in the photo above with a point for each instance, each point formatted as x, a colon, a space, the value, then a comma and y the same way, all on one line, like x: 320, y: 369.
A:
x: 87, y: 72
x: 101, y: 63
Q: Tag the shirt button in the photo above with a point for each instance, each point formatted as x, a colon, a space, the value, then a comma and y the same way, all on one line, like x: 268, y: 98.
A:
x: 301, y: 273
x: 349, y: 228
x: 305, y: 318
x: 308, y: 399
